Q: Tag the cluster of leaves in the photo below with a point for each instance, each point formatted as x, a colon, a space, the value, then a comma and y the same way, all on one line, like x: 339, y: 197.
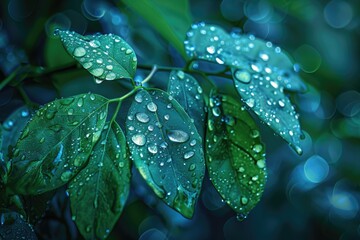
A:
x: 171, y: 136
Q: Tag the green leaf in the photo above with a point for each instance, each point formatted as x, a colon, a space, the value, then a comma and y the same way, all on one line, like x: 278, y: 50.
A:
x: 56, y: 143
x: 13, y: 126
x: 235, y: 154
x: 258, y: 71
x: 189, y: 94
x: 212, y: 43
x: 105, y: 56
x: 99, y: 192
x: 169, y: 19
x: 166, y: 149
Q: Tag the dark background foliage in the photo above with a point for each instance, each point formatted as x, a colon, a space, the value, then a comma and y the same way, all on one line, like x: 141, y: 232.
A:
x: 314, y: 196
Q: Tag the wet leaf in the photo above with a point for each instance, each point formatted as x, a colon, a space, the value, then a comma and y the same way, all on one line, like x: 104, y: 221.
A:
x: 13, y: 126
x: 189, y: 94
x: 105, y: 56
x: 56, y: 143
x: 99, y: 192
x: 212, y: 43
x: 235, y: 154
x: 259, y: 71
x: 169, y: 19
x: 166, y: 149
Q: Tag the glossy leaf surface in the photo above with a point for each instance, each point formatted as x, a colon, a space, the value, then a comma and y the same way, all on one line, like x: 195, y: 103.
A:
x: 56, y: 143
x: 235, y: 154
x: 189, y: 94
x: 257, y: 69
x: 99, y: 192
x: 105, y: 56
x: 166, y: 149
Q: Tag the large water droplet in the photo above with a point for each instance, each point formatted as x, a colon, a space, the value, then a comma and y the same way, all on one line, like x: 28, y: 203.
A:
x: 139, y: 139
x: 65, y: 176
x: 244, y: 200
x: 142, y: 117
x: 261, y: 163
x: 94, y: 43
x: 110, y: 76
x: 151, y: 107
x: 80, y: 102
x: 178, y: 136
x: 97, y: 72
x: 264, y: 56
x: 189, y: 154
x: 50, y: 114
x: 79, y: 52
x: 210, y: 49
x: 138, y: 98
x: 242, y: 76
x: 152, y: 148
x: 180, y: 74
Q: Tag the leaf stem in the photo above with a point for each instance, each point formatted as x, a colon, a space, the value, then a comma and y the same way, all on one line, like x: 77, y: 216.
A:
x: 25, y: 97
x: 151, y: 74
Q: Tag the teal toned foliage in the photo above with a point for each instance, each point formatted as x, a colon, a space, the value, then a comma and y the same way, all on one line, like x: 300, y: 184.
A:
x: 261, y: 72
x: 106, y: 57
x: 235, y: 154
x: 99, y: 192
x: 56, y: 143
x: 166, y: 149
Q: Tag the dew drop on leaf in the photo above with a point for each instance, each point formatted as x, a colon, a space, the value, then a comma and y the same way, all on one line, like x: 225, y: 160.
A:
x: 142, y: 117
x: 79, y: 52
x: 151, y: 107
x: 139, y: 139
x: 177, y: 136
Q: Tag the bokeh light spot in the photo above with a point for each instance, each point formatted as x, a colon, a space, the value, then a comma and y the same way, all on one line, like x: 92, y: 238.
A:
x: 308, y: 58
x: 316, y: 169
x: 338, y: 14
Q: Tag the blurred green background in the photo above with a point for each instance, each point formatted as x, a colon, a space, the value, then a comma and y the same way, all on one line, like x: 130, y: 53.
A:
x: 313, y: 196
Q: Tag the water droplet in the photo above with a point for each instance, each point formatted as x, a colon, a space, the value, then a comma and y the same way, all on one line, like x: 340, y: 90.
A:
x: 180, y: 74
x: 98, y: 81
x: 70, y: 111
x: 258, y: 148
x: 189, y: 154
x: 151, y: 107
x: 99, y: 60
x: 242, y: 76
x: 210, y: 49
x: 50, y: 114
x: 92, y: 97
x: 193, y: 142
x: 177, y: 136
x: 219, y: 60
x: 281, y: 103
x: 79, y: 52
x: 250, y: 102
x: 42, y: 140
x: 25, y: 133
x: 166, y: 117
x: 97, y: 72
x: 254, y: 133
x: 8, y: 124
x: 65, y: 176
x: 244, y: 200
x: 94, y: 43
x: 80, y: 102
x: 152, y: 148
x: 139, y: 139
x: 110, y: 76
x: 261, y: 163
x: 151, y: 128
x: 66, y: 101
x: 216, y: 111
x: 138, y: 98
x: 192, y: 167
x: 128, y: 51
x: 142, y: 117
x: 109, y: 67
x: 25, y: 113
x: 274, y: 84
x: 256, y: 67
x: 264, y: 56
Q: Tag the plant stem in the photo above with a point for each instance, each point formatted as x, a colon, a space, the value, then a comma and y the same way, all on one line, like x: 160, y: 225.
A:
x: 151, y: 74
x: 25, y: 97
x: 125, y: 96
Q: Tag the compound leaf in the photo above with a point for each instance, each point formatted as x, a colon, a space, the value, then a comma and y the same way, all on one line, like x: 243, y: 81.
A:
x: 105, y: 56
x: 99, y: 191
x: 235, y: 155
x: 166, y: 149
x: 56, y: 143
x: 189, y: 94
